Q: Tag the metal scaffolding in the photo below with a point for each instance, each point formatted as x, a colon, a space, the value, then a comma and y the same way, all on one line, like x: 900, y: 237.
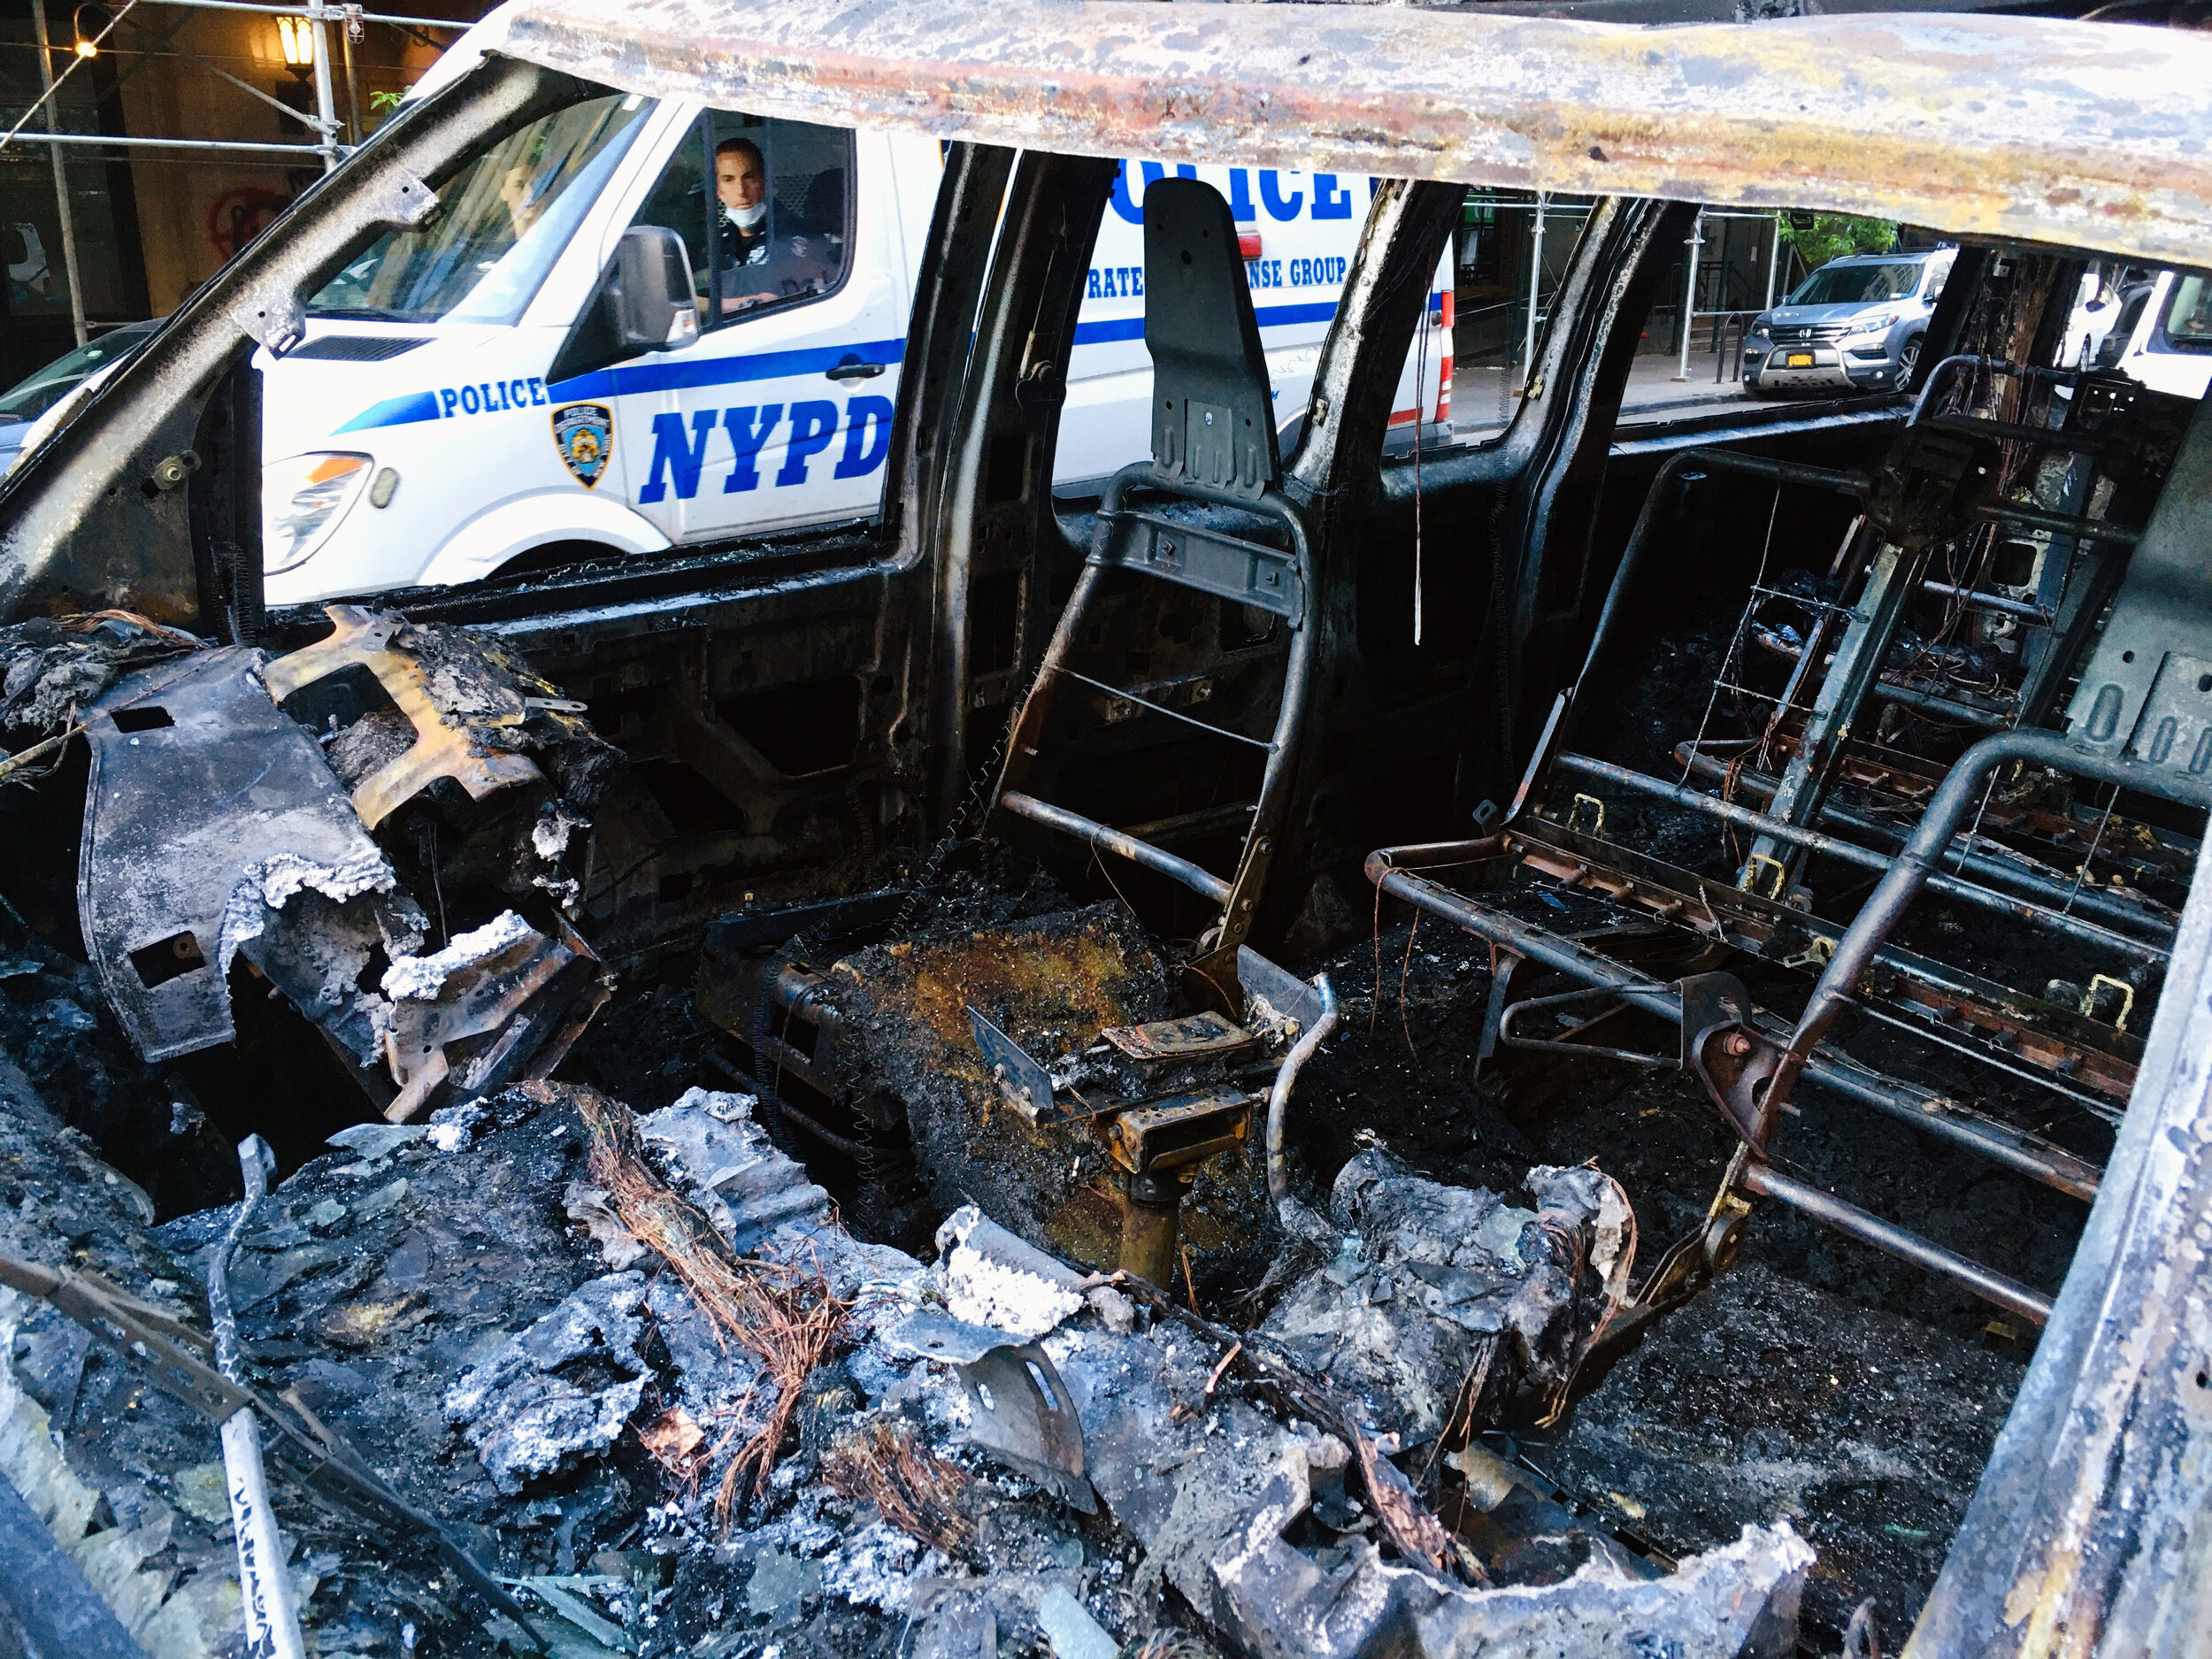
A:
x: 314, y: 15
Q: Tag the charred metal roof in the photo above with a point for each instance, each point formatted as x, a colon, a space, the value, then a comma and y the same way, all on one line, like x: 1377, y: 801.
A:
x: 2092, y: 135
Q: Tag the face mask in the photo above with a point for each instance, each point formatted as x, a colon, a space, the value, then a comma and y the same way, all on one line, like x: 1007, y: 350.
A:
x: 748, y: 217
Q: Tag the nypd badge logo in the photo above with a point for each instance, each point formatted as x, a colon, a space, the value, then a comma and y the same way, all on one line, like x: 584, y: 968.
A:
x: 584, y: 434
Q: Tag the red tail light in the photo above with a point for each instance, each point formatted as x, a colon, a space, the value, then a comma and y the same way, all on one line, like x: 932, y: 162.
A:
x: 1248, y: 244
x: 1451, y: 309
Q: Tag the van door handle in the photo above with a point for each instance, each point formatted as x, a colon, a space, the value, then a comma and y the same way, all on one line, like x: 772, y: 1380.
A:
x: 851, y: 368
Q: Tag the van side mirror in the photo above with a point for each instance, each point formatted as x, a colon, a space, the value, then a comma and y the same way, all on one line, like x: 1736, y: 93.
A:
x: 643, y: 303
x: 649, y: 300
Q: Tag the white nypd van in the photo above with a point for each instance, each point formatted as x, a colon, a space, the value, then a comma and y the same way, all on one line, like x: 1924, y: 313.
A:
x: 435, y: 423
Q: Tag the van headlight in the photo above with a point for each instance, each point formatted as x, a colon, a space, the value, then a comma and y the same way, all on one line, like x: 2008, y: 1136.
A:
x: 303, y: 499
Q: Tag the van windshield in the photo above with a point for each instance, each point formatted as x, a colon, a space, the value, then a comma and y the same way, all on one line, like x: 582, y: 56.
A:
x: 1859, y: 284
x: 508, y: 214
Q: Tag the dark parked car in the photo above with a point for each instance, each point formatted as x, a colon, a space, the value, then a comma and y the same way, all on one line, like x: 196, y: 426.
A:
x: 1856, y: 323
x: 22, y: 403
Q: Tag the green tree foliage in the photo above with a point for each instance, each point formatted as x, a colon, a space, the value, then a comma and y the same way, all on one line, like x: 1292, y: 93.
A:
x: 1820, y: 237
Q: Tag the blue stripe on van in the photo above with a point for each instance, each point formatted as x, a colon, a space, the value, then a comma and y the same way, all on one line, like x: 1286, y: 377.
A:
x: 1313, y: 312
x: 394, y: 412
x: 629, y: 378
x: 1120, y: 328
x: 1267, y: 316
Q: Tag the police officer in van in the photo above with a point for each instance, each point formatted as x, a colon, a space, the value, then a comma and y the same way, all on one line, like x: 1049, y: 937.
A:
x: 757, y: 265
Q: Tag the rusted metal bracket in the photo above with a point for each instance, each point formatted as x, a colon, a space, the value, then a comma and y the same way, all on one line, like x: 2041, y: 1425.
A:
x: 443, y: 749
x: 1023, y: 1415
x: 537, y: 994
x: 1022, y: 1083
x: 1737, y: 1064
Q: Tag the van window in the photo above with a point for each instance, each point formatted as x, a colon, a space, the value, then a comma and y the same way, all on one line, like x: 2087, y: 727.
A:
x: 764, y: 207
x: 2189, y: 314
x: 508, y: 214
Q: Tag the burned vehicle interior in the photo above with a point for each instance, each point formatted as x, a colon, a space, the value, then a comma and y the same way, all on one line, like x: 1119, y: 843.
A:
x: 1581, y: 1039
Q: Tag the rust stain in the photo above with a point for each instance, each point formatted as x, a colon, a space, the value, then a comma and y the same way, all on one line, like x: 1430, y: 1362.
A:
x: 1067, y: 982
x: 1086, y: 1228
x: 2041, y: 128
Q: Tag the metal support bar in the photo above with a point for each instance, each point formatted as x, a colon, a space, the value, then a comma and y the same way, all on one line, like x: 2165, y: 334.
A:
x: 2056, y: 523
x: 1997, y: 603
x: 1850, y: 852
x: 2019, y: 432
x: 1630, y: 1057
x: 1923, y: 702
x: 1893, y: 578
x: 122, y: 142
x: 1694, y: 241
x: 1926, y: 1111
x: 347, y: 31
x: 325, y: 106
x: 1535, y: 291
x: 1946, y: 810
x: 1941, y: 707
x: 1991, y: 1286
x: 278, y: 104
x: 1113, y: 840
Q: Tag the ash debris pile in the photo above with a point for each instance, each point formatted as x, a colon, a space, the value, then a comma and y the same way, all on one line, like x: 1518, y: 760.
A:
x: 535, y: 1368
x: 641, y: 1374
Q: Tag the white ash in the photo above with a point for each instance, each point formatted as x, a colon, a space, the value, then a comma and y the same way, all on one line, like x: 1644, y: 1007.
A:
x: 269, y: 886
x: 524, y: 1417
x: 421, y: 977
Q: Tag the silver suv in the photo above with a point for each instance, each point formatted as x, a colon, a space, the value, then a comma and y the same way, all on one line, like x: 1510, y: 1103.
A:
x: 1856, y: 324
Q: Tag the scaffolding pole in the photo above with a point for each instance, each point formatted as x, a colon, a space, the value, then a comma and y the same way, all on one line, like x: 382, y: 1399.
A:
x: 325, y: 106
x: 61, y: 177
x: 1535, y: 292
x: 1694, y: 241
x: 123, y: 141
x: 325, y: 120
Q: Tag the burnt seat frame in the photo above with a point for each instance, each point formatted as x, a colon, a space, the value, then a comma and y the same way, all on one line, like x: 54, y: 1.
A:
x: 1214, y: 444
x: 1749, y: 1060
